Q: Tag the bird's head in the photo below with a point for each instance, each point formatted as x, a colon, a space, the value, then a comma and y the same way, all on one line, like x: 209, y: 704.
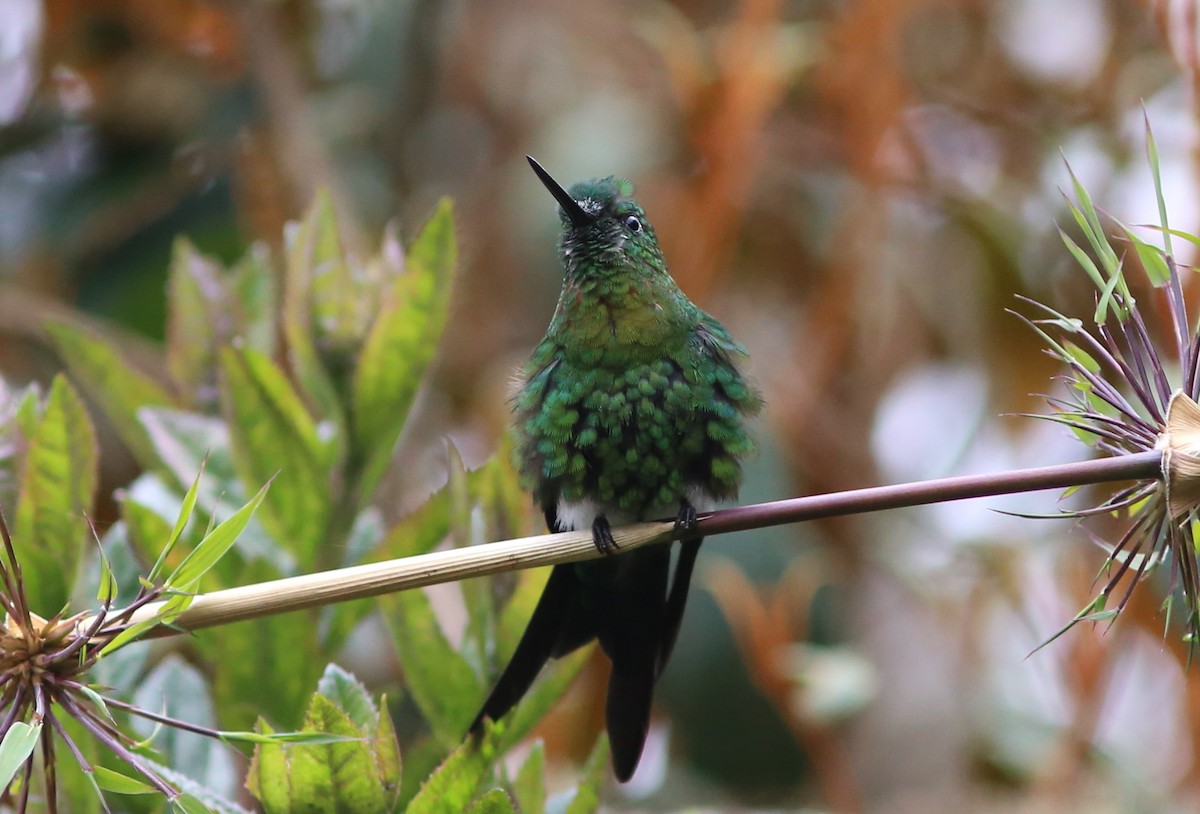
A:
x: 603, y: 226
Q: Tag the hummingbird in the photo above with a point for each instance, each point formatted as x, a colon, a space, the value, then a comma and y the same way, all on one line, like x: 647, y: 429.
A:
x: 632, y: 407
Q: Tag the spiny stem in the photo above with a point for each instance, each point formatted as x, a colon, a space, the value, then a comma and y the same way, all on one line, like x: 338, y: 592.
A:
x: 374, y: 579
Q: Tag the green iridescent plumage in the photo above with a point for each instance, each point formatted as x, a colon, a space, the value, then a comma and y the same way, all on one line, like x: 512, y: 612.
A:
x: 634, y: 438
x: 632, y: 407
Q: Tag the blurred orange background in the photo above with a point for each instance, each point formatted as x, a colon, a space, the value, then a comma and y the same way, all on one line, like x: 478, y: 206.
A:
x: 857, y: 189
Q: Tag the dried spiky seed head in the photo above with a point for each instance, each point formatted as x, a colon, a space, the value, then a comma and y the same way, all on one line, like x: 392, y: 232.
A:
x: 1180, y: 443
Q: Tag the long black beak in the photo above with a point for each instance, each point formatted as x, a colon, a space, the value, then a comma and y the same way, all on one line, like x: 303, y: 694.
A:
x: 569, y: 205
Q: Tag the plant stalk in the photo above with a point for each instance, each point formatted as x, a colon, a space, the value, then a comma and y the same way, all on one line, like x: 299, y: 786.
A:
x: 373, y: 579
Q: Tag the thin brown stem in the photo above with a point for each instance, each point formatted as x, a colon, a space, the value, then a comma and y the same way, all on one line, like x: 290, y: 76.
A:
x: 357, y: 582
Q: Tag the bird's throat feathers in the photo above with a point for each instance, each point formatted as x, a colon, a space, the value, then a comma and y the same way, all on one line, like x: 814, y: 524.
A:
x: 621, y: 313
x: 618, y: 303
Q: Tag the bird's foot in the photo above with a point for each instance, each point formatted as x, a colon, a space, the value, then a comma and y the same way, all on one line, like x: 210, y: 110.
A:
x: 602, y: 535
x: 686, y: 519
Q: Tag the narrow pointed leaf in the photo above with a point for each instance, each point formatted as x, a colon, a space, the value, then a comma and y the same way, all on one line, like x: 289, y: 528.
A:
x: 18, y: 744
x: 401, y: 345
x: 185, y: 514
x: 530, y: 783
x: 312, y: 738
x: 57, y: 487
x: 441, y: 681
x: 128, y: 635
x: 1156, y: 174
x: 386, y: 750
x: 197, y: 302
x: 1151, y: 257
x: 107, y: 591
x: 271, y: 432
x: 333, y: 290
x: 214, y: 545
x: 546, y: 692
x: 118, y: 783
x: 1082, y: 258
x: 595, y: 769
x: 1086, y: 211
x: 1188, y: 236
x: 298, y: 328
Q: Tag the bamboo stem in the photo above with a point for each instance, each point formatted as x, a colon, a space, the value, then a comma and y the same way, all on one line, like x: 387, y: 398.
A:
x: 373, y: 579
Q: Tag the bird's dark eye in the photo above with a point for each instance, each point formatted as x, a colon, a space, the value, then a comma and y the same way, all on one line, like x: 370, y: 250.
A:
x: 633, y: 224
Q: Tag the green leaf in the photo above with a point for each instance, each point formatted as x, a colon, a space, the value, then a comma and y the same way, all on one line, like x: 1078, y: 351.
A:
x: 119, y: 389
x: 1082, y: 357
x: 145, y: 529
x: 97, y: 699
x: 195, y: 796
x: 271, y: 432
x: 57, y: 487
x: 252, y: 282
x: 401, y: 345
x: 333, y: 290
x: 1188, y: 236
x: 1106, y: 299
x: 1156, y: 173
x: 19, y: 413
x: 477, y: 595
x: 186, y: 443
x: 339, y: 775
x: 587, y: 796
x: 118, y: 783
x: 187, y: 804
x: 177, y: 689
x: 170, y: 609
x: 268, y: 666
x: 197, y: 303
x: 540, y: 699
x: 185, y: 514
x: 453, y: 784
x: 386, y: 750
x: 530, y: 784
x: 340, y: 619
x: 350, y: 695
x: 107, y: 592
x: 317, y: 738
x: 18, y: 744
x: 209, y: 550
x: 495, y: 801
x: 1152, y: 258
x: 267, y: 779
x: 298, y: 329
x: 1089, y: 221
x: 1084, y: 261
x: 441, y: 681
x: 421, y: 530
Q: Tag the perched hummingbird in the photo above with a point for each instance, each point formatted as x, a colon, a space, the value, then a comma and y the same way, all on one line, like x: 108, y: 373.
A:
x: 632, y: 407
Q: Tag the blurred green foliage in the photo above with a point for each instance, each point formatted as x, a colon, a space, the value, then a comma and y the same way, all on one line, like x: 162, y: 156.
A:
x: 306, y: 384
x: 856, y: 189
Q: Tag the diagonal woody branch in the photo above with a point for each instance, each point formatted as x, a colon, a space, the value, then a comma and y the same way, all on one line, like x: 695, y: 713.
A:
x: 374, y: 579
